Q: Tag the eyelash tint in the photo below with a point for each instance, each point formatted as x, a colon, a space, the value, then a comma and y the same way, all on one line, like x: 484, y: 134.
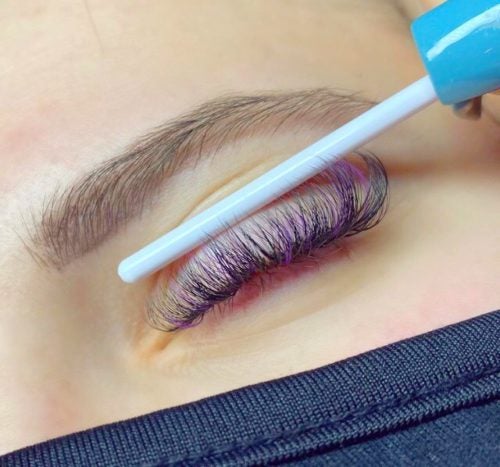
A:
x: 343, y: 200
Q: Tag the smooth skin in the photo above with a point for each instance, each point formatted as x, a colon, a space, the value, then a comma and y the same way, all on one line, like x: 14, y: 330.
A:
x: 81, y: 80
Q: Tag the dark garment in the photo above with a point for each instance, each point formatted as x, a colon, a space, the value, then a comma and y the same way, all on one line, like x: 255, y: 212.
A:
x: 430, y: 400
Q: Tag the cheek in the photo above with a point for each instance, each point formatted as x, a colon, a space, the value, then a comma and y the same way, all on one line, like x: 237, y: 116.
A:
x: 43, y: 395
x: 450, y: 294
x: 432, y: 293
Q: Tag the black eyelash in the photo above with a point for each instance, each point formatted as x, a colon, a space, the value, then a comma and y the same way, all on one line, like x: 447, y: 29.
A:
x: 343, y: 200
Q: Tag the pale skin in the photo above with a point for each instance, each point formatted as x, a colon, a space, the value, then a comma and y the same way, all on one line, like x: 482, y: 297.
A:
x: 78, y: 84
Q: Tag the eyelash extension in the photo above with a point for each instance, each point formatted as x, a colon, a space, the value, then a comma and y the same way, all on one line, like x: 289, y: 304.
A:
x: 341, y: 201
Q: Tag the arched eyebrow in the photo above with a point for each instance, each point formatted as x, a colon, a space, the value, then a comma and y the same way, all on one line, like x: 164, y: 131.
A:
x: 77, y: 219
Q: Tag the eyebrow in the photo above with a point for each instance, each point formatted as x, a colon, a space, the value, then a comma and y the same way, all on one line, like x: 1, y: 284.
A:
x: 76, y: 220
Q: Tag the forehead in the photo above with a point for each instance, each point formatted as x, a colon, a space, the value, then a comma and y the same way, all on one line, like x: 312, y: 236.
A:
x: 81, y: 83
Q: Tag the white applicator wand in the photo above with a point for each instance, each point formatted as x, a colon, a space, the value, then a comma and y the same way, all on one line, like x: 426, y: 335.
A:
x: 277, y: 181
x: 433, y: 28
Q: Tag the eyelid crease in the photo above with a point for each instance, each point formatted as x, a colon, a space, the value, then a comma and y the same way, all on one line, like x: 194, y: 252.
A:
x: 339, y: 202
x: 223, y: 188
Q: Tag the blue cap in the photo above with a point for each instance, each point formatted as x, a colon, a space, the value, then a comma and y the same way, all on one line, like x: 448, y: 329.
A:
x: 459, y: 43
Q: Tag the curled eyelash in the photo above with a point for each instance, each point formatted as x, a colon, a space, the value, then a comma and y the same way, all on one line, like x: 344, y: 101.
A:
x: 341, y: 201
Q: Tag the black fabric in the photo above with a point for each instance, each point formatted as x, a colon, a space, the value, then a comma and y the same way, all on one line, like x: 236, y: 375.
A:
x: 434, y: 398
x: 469, y: 437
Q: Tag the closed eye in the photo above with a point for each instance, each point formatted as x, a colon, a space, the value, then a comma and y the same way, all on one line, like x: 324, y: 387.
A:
x: 347, y: 198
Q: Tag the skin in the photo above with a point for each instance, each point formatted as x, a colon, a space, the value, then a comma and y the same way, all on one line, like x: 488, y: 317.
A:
x: 80, y: 82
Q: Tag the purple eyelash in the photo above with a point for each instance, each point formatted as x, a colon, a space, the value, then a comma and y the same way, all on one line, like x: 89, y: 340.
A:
x: 341, y: 201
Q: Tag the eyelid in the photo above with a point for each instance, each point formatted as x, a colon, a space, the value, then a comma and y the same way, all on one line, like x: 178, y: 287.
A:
x: 341, y: 201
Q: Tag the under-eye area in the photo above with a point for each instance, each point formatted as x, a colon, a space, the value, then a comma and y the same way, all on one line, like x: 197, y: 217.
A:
x: 347, y: 198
